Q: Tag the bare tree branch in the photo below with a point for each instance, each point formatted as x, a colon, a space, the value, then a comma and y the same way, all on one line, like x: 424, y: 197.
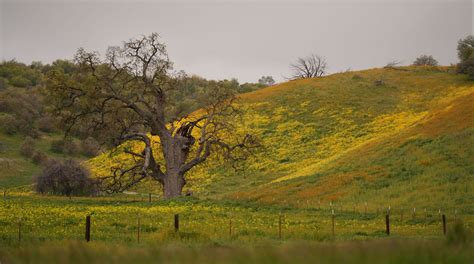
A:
x: 308, y: 67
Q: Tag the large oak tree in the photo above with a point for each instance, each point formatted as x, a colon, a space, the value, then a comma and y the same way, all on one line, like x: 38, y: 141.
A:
x: 131, y: 96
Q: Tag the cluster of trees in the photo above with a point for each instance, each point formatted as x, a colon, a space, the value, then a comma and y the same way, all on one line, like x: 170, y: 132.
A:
x: 126, y: 96
x: 17, y: 74
x: 24, y: 105
x: 465, y: 51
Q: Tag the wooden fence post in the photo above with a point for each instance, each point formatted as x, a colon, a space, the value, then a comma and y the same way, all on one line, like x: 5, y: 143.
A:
x: 365, y: 207
x: 88, y: 228
x: 332, y: 217
x: 319, y: 204
x: 444, y: 224
x: 279, y: 225
x: 414, y: 212
x: 176, y: 222
x: 387, y: 224
x: 19, y: 230
x: 455, y: 214
x: 149, y: 197
x: 138, y: 229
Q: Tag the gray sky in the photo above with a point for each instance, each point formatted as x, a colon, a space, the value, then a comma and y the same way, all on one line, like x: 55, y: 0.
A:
x: 241, y: 39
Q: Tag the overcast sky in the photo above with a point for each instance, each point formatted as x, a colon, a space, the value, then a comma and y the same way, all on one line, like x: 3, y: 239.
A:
x: 220, y: 39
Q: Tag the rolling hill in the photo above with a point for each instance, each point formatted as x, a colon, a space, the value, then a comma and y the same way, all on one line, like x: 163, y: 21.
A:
x: 395, y: 136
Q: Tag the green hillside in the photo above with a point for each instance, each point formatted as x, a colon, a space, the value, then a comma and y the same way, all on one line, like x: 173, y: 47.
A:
x: 18, y: 170
x: 396, y: 136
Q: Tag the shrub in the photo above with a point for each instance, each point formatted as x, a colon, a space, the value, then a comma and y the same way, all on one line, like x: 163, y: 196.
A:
x: 357, y: 77
x: 20, y: 81
x: 39, y: 157
x: 470, y: 72
x: 379, y: 82
x: 466, y: 67
x: 34, y: 133
x: 9, y: 124
x: 57, y: 146
x: 66, y: 146
x: 27, y: 149
x: 90, y: 147
x: 70, y: 147
x: 425, y: 60
x: 64, y: 178
x: 3, y: 83
x: 458, y: 234
x: 47, y: 124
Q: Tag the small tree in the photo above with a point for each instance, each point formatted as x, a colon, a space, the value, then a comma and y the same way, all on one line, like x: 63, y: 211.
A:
x: 64, y: 178
x: 466, y: 56
x: 266, y: 80
x: 466, y: 48
x: 308, y: 67
x: 425, y: 60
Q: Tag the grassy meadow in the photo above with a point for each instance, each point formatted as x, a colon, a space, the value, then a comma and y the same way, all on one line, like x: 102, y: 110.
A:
x: 51, y: 229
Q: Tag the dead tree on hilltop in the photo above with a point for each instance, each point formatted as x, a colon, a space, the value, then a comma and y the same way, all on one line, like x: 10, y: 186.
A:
x: 308, y: 67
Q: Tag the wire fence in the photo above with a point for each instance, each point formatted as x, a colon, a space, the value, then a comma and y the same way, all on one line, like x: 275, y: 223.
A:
x: 113, y: 219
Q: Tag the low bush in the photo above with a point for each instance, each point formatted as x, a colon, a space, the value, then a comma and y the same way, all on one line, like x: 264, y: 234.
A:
x: 47, y: 124
x: 65, y: 178
x: 39, y: 157
x: 90, y: 147
x: 64, y: 146
x: 27, y: 148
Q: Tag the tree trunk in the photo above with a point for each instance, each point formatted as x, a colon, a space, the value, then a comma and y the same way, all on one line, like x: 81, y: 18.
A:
x: 175, y: 152
x: 173, y: 184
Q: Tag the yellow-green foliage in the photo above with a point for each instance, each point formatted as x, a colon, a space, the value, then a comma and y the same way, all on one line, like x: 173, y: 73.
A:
x: 344, y: 138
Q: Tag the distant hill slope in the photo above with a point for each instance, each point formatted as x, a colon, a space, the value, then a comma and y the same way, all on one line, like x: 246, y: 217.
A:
x: 397, y: 136
x: 17, y: 170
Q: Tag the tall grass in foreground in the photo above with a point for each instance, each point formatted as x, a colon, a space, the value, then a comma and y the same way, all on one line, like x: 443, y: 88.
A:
x: 375, y: 251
